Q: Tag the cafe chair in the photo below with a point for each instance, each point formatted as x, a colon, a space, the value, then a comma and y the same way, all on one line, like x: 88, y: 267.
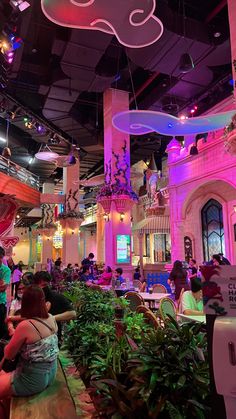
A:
x: 167, y: 308
x: 134, y: 299
x: 142, y: 309
x: 179, y: 306
x: 149, y: 317
x: 159, y: 288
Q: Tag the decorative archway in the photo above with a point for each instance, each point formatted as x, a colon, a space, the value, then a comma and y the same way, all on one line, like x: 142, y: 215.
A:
x: 212, y: 229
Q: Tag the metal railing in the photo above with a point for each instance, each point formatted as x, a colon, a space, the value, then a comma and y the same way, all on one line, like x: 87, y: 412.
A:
x: 17, y: 172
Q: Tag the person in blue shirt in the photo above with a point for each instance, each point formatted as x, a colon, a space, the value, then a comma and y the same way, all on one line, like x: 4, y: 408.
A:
x: 5, y: 278
x: 118, y: 275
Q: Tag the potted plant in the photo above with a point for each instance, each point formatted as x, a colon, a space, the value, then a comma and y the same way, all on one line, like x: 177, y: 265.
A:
x: 71, y: 218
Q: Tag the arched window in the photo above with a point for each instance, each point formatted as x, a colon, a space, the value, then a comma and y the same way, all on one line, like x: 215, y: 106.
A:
x: 212, y: 229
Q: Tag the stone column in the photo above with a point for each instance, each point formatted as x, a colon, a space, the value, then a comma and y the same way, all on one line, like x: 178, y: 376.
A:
x: 173, y: 150
x: 47, y: 221
x: 117, y: 173
x: 140, y: 238
x: 232, y: 26
x: 100, y: 234
x: 71, y: 224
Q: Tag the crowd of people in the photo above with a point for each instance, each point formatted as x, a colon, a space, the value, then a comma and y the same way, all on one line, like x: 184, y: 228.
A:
x: 185, y: 282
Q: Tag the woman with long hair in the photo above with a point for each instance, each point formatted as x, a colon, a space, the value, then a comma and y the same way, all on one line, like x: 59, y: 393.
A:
x: 35, y: 343
x: 178, y: 277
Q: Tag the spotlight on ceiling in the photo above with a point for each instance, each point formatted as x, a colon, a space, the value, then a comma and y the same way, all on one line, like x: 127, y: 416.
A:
x: 193, y: 150
x: 21, y: 5
x: 186, y: 63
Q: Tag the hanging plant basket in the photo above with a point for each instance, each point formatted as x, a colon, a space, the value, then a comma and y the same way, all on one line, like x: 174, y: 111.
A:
x: 105, y: 203
x: 74, y: 222
x: 46, y: 231
x: 123, y: 203
x: 63, y: 222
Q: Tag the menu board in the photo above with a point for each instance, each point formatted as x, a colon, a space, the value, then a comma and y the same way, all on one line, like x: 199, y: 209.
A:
x: 123, y: 244
x: 219, y: 290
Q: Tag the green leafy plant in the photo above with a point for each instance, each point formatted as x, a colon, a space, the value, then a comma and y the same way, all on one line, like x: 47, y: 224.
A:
x: 142, y: 373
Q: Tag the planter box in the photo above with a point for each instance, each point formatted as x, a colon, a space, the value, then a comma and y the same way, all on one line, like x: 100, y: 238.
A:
x: 123, y: 203
x: 105, y: 203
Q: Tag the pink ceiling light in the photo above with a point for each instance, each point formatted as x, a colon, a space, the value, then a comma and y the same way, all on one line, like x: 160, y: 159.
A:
x: 139, y: 122
x: 46, y: 154
x: 132, y: 22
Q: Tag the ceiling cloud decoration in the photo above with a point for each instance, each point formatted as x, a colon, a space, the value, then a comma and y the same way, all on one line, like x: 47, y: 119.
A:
x: 140, y: 122
x: 132, y: 22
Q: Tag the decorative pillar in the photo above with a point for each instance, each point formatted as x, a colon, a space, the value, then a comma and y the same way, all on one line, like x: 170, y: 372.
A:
x: 177, y: 251
x: 100, y: 234
x: 140, y: 238
x: 71, y: 218
x: 232, y: 26
x: 117, y: 197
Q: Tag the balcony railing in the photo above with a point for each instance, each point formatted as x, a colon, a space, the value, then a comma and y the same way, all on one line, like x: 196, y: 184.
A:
x: 11, y: 169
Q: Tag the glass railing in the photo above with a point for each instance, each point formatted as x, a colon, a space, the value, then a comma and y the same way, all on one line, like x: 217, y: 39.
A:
x: 19, y: 173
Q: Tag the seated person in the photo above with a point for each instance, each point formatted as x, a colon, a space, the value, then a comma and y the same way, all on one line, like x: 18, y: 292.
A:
x: 105, y: 277
x: 58, y: 305
x: 35, y: 341
x: 118, y: 275
x: 86, y: 276
x: 192, y: 302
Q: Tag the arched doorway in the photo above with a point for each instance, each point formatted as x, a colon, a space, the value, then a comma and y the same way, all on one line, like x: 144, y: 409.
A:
x: 212, y: 229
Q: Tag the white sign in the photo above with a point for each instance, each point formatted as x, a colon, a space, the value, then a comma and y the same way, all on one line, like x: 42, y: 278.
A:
x: 219, y: 290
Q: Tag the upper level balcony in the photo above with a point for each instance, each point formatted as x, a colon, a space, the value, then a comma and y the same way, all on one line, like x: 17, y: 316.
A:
x: 17, y: 181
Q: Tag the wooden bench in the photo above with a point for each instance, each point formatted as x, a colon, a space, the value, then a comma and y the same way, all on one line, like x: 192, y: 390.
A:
x: 56, y: 402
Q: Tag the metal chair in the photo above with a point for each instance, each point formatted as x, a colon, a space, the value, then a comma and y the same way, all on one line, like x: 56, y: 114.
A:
x: 134, y: 299
x: 142, y: 309
x: 167, y: 307
x: 149, y: 317
x: 159, y: 288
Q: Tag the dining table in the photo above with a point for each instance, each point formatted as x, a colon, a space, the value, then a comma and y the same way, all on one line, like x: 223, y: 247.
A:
x: 192, y: 318
x: 152, y: 298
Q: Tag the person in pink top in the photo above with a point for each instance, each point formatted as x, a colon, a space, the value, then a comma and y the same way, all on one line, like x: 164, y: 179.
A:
x: 106, y: 276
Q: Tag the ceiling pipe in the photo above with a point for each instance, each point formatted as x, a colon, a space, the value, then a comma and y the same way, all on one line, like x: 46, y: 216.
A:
x: 216, y: 10
x: 144, y: 86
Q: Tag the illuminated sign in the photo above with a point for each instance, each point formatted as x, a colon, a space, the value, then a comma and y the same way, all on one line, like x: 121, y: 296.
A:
x: 123, y: 244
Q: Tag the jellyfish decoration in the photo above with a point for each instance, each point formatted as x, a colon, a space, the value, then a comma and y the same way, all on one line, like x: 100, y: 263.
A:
x: 132, y: 22
x: 140, y: 122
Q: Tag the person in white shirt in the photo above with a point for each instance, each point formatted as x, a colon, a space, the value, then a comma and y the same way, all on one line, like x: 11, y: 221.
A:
x: 192, y: 302
x: 15, y: 278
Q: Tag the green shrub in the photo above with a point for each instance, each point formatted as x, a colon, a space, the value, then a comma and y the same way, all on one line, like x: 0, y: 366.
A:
x: 145, y: 373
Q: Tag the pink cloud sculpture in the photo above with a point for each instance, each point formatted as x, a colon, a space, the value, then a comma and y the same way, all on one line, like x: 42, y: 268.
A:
x: 140, y: 122
x: 131, y: 21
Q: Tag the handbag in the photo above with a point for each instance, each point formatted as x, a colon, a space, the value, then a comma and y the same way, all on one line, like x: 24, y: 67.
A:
x: 6, y: 365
